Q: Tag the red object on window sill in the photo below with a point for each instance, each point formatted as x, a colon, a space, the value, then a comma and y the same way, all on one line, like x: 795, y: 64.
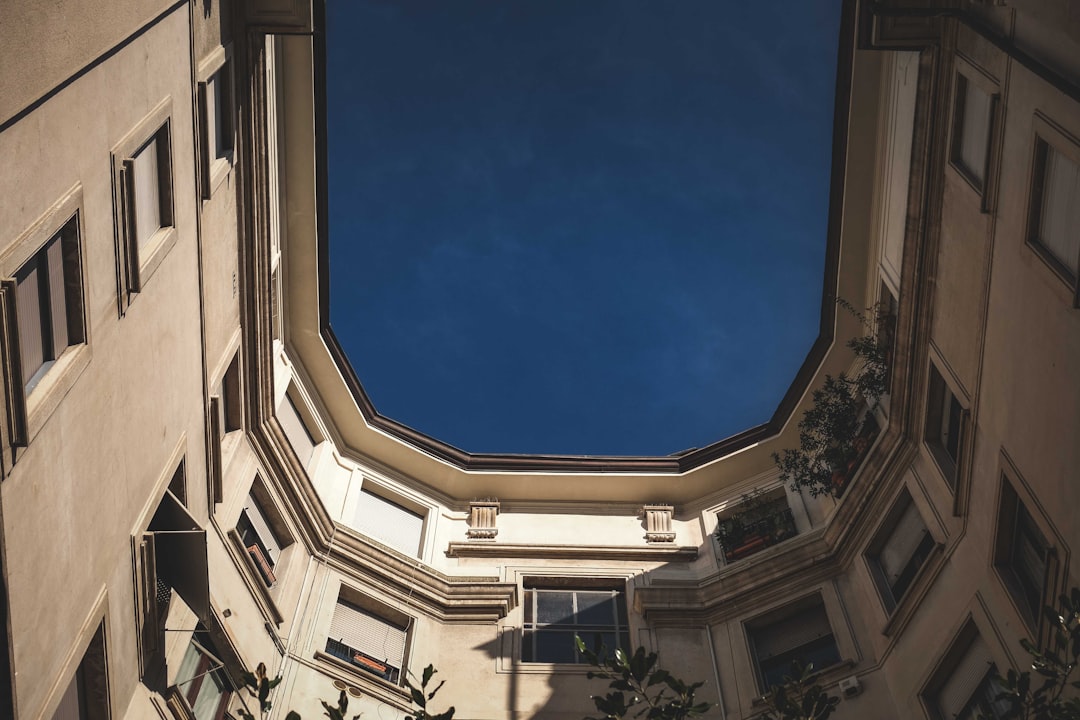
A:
x: 370, y: 664
x: 261, y: 563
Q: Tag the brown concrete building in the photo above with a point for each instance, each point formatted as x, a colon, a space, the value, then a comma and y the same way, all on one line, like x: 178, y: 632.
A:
x: 194, y: 482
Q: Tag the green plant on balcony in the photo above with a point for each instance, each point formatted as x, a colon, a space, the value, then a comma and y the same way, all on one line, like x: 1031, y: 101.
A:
x: 837, y: 430
x: 757, y: 522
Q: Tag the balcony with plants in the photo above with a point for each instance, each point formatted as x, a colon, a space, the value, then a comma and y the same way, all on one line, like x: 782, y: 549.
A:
x: 759, y: 521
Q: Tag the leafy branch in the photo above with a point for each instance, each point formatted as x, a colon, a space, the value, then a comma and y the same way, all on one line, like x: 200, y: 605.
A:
x: 799, y: 698
x: 421, y: 696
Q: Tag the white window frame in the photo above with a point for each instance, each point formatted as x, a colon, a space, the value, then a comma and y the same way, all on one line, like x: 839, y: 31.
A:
x: 405, y: 510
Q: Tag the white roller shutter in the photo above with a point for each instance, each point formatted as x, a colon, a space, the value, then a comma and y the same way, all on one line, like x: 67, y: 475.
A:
x: 371, y: 635
x: 262, y: 529
x: 147, y: 192
x: 389, y: 523
x: 965, y: 678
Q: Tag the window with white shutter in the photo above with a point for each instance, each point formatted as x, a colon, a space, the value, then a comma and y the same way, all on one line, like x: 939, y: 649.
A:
x: 259, y: 539
x: 367, y: 641
x: 900, y: 550
x: 794, y: 635
x: 296, y: 431
x: 389, y: 523
x: 969, y: 690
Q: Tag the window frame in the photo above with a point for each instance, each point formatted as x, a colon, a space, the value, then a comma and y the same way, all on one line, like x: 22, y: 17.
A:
x: 28, y: 409
x: 1013, y: 498
x: 386, y: 495
x: 381, y: 612
x: 205, y: 670
x: 928, y: 546
x: 1047, y: 136
x: 941, y: 397
x: 138, y: 259
x: 215, y: 72
x: 811, y: 602
x: 948, y: 664
x: 93, y: 660
x: 533, y: 588
x: 968, y: 75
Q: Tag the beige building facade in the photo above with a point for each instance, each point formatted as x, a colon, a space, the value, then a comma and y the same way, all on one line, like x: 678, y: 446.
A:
x: 194, y: 482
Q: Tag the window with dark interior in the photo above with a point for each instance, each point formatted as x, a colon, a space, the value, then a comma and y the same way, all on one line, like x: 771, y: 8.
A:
x: 899, y: 551
x: 87, y: 695
x: 556, y: 610
x: 1054, y: 222
x: 799, y: 633
x: 49, y: 304
x: 1023, y: 557
x: 946, y: 423
x: 367, y: 640
x: 965, y: 688
x: 972, y: 119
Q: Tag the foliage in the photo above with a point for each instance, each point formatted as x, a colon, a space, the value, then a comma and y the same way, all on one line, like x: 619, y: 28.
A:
x: 834, y: 431
x: 259, y: 686
x: 421, y: 695
x: 1054, y: 664
x: 653, y: 692
x: 799, y: 698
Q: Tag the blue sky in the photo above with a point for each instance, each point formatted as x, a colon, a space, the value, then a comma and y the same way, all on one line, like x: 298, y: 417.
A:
x: 575, y: 227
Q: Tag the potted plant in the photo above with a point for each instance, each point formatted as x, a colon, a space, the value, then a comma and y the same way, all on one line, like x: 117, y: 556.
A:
x: 838, y: 428
x: 758, y: 522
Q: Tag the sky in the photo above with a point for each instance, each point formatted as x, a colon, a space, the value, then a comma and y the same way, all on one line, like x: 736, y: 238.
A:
x: 578, y: 227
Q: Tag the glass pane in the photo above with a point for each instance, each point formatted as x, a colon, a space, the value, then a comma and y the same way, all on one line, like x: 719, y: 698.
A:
x: 1059, y: 223
x: 555, y: 646
x: 975, y: 130
x: 554, y: 607
x: 595, y: 608
x: 147, y: 192
x: 211, y: 693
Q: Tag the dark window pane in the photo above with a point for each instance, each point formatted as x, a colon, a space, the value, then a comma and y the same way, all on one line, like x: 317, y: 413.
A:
x: 595, y: 608
x: 554, y: 607
x: 555, y: 646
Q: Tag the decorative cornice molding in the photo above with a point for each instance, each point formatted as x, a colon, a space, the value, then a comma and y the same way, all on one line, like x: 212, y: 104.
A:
x: 649, y: 553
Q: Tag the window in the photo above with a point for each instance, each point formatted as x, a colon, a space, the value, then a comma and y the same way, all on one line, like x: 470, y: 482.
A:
x: 170, y: 555
x: 972, y: 120
x: 1054, y: 222
x: 49, y: 304
x: 967, y: 692
x: 367, y: 641
x: 201, y: 683
x: 946, y: 423
x: 87, y: 695
x: 901, y: 549
x: 389, y: 523
x: 230, y: 411
x: 215, y: 99
x: 296, y: 430
x: 760, y: 520
x: 1023, y: 557
x: 558, y: 609
x: 142, y: 166
x: 259, y: 539
x: 799, y: 633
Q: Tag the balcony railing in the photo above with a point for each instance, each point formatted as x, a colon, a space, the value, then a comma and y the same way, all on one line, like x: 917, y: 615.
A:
x: 361, y: 660
x: 754, y: 526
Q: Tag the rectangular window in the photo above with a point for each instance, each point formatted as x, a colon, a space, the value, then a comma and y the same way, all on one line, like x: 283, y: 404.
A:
x: 259, y: 539
x: 87, y: 695
x: 1023, y: 556
x: 296, y: 430
x: 968, y: 691
x: 900, y: 551
x: 202, y: 683
x: 367, y: 641
x: 230, y: 410
x: 796, y: 634
x: 142, y: 166
x: 215, y: 98
x: 972, y: 121
x: 389, y: 523
x: 49, y: 304
x: 946, y: 424
x: 759, y: 521
x: 556, y: 611
x: 1054, y: 223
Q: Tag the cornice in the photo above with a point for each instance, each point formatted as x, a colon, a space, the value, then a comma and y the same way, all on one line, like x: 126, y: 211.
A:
x: 681, y: 553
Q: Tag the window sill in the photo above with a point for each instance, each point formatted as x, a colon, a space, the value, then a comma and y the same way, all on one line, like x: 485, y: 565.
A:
x: 946, y: 466
x: 151, y: 257
x: 375, y: 686
x: 1062, y: 276
x: 54, y: 386
x: 219, y: 169
x: 255, y: 580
